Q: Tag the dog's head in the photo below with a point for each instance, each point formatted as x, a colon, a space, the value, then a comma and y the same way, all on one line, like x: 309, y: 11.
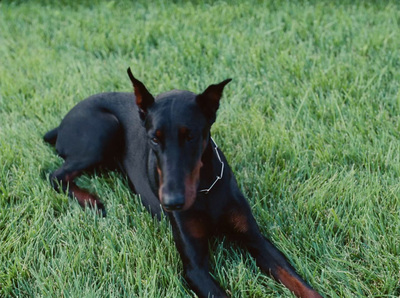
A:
x: 178, y: 126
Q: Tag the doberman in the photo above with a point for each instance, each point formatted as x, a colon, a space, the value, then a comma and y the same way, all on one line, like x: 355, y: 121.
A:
x: 165, y: 148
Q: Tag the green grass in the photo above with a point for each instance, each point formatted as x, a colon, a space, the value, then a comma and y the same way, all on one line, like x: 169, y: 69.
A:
x: 310, y: 124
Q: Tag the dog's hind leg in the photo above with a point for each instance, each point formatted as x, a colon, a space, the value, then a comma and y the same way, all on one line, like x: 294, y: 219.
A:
x: 86, y: 139
x: 62, y: 180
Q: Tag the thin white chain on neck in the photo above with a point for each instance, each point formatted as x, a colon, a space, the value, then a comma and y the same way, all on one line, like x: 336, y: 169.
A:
x: 219, y: 177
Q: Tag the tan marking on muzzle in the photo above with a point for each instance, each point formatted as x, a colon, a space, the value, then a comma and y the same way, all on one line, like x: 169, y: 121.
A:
x: 191, y: 183
x: 160, y: 180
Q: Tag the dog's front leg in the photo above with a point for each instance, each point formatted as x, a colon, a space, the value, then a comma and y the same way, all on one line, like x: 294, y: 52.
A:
x: 191, y: 234
x: 244, y: 228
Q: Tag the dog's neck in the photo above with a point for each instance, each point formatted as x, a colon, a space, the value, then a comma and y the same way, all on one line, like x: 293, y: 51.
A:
x: 212, y: 169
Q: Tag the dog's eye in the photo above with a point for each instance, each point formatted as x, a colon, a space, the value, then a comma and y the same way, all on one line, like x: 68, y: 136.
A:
x: 155, y: 141
x: 189, y: 137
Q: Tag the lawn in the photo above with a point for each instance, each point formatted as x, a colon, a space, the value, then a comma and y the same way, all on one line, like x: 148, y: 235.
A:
x: 310, y: 125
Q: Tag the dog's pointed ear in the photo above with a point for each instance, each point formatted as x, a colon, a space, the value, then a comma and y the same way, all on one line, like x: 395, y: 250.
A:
x: 144, y: 100
x: 209, y: 99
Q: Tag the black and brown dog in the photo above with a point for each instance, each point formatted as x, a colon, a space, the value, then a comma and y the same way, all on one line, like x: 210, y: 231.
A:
x: 165, y: 148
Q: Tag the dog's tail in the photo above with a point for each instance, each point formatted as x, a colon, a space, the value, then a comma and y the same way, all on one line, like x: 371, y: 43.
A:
x: 51, y: 136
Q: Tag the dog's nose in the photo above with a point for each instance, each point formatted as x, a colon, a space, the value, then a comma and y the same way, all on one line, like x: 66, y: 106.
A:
x: 173, y: 202
x: 173, y: 207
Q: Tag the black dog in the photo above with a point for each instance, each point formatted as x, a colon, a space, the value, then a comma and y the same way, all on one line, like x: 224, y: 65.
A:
x: 165, y: 148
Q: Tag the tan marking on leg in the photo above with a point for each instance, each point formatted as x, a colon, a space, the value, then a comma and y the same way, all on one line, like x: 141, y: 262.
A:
x: 295, y: 285
x: 195, y: 228
x: 84, y: 198
x: 239, y: 222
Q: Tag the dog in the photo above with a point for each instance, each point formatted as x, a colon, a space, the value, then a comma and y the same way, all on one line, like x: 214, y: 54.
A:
x: 164, y: 147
